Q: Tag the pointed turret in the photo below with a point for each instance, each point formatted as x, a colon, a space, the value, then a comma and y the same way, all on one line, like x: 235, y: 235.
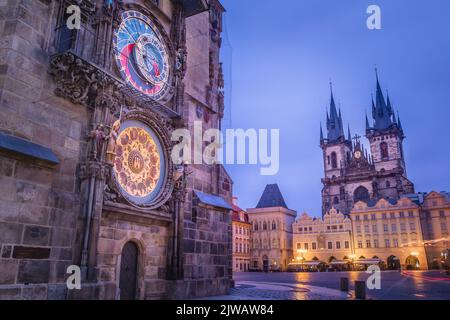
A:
x: 367, y: 124
x: 381, y: 111
x: 335, y: 129
x: 399, y: 122
x: 321, y: 133
x: 349, y: 134
x: 389, y: 106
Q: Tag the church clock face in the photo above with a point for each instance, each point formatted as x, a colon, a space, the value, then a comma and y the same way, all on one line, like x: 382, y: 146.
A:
x: 141, y: 55
x: 139, y: 163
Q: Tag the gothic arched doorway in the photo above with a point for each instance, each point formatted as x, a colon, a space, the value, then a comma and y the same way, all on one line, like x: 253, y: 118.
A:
x: 361, y: 194
x: 128, y: 271
x: 412, y: 263
x: 393, y: 263
x: 265, y: 264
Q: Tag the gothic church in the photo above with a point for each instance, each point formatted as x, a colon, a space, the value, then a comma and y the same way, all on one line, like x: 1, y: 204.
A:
x: 351, y: 173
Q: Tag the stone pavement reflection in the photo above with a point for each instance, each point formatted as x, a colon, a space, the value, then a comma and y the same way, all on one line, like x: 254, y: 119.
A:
x: 250, y: 290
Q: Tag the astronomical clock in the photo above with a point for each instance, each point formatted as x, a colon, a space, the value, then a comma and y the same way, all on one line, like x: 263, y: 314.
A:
x: 143, y: 59
x: 142, y: 55
x: 139, y: 163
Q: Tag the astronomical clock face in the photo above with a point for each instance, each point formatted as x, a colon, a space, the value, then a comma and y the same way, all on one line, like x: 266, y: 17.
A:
x: 139, y: 163
x: 141, y: 55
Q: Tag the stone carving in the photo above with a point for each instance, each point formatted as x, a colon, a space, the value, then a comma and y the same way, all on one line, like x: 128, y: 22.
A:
x: 75, y: 79
x: 97, y: 137
x: 111, y: 149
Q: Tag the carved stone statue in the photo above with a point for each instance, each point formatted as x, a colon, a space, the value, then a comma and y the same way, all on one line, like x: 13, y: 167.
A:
x: 97, y: 137
x: 112, y: 142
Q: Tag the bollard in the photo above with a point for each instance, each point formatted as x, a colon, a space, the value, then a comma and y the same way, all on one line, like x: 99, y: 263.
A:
x: 360, y: 290
x: 344, y: 284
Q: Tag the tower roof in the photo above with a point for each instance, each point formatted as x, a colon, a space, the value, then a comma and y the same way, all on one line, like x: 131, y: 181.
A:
x: 271, y: 198
x: 335, y: 127
x: 381, y: 110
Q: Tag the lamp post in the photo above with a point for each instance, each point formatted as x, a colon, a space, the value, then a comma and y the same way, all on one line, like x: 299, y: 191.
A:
x: 301, y: 252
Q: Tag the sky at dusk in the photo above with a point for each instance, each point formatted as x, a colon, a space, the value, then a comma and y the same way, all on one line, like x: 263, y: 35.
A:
x: 279, y: 57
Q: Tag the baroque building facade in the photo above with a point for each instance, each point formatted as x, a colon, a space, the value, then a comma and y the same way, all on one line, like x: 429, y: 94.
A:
x: 86, y: 122
x: 271, y: 222
x: 242, y: 229
x: 322, y: 239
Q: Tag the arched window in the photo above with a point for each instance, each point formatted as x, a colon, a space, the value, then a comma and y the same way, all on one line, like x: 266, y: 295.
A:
x: 361, y: 194
x: 333, y: 160
x: 336, y: 200
x: 274, y: 225
x: 264, y: 226
x: 384, y: 150
x: 256, y: 226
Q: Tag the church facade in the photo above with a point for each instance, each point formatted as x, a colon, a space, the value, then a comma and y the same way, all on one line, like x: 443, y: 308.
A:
x: 87, y: 179
x: 353, y: 174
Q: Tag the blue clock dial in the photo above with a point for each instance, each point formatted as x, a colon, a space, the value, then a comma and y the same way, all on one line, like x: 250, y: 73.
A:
x: 141, y: 55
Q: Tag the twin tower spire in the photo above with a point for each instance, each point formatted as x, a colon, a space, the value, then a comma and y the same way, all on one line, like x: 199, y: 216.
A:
x: 382, y: 114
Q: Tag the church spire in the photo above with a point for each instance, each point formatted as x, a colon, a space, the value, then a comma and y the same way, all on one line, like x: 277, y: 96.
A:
x: 381, y: 111
x: 335, y: 129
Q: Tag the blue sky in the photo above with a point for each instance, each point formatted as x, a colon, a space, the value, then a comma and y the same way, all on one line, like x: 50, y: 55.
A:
x: 280, y: 56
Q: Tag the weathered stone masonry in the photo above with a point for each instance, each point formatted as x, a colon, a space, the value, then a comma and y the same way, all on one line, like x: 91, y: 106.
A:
x: 54, y: 214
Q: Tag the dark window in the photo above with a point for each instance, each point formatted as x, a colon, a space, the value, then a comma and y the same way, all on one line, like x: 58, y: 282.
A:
x: 361, y: 194
x: 274, y: 226
x: 388, y: 184
x: 66, y: 35
x: 336, y: 200
x: 334, y: 160
x: 384, y: 150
